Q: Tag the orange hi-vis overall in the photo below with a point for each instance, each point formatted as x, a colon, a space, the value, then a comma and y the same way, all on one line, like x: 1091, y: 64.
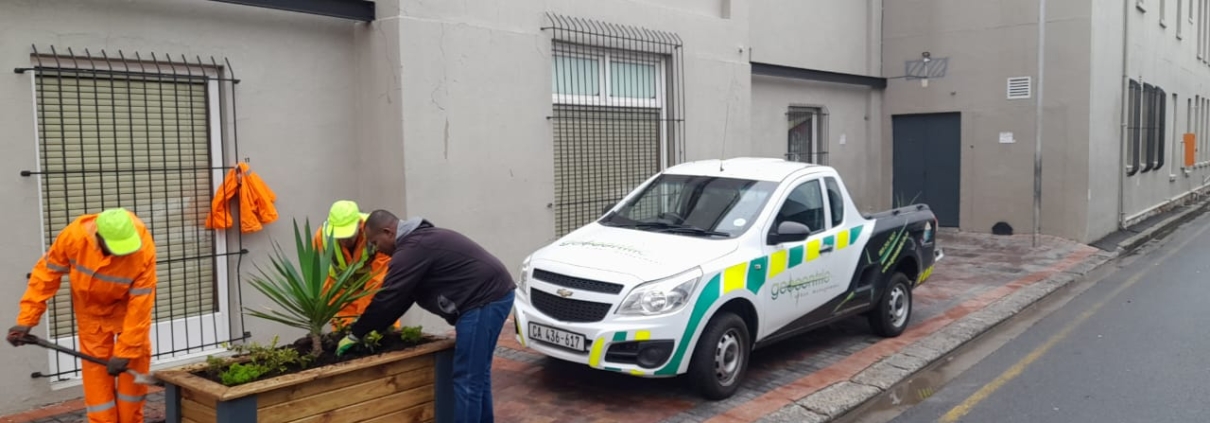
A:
x: 345, y: 258
x: 113, y: 297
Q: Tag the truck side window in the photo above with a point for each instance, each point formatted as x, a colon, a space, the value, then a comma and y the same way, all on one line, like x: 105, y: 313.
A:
x: 804, y: 205
x: 835, y: 200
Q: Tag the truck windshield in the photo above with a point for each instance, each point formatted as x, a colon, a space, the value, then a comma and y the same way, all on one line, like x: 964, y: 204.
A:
x: 701, y: 206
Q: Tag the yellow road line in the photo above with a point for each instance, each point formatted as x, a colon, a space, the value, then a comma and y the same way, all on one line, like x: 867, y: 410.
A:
x: 987, y: 390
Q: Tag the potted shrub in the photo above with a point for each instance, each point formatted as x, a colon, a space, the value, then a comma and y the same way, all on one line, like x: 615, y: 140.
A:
x: 397, y: 376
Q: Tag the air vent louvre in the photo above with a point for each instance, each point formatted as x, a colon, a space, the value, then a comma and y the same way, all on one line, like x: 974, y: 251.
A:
x: 1020, y: 87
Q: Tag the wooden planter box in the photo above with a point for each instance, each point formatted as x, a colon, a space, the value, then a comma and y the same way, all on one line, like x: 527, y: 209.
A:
x: 413, y: 385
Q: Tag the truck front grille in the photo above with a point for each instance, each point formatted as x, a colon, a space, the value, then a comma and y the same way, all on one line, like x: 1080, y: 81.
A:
x: 576, y: 283
x: 568, y: 310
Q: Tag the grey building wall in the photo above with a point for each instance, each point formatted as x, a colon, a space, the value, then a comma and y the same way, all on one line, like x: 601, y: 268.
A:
x: 845, y: 39
x: 476, y: 77
x: 297, y: 109
x: 1162, y: 49
x: 437, y: 109
x: 985, y: 43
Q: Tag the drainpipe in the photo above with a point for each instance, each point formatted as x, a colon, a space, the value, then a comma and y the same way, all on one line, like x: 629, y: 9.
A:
x: 1125, y: 118
x: 1038, y: 121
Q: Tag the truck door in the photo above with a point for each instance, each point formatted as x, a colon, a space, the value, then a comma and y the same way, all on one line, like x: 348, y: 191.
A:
x: 811, y: 281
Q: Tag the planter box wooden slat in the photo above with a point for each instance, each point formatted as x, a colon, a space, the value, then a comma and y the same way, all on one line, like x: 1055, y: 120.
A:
x: 409, y: 385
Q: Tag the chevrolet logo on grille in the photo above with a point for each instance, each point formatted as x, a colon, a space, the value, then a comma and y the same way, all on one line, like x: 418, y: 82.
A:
x: 563, y: 293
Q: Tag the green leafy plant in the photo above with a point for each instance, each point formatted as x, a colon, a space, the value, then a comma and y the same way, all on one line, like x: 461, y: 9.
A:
x: 411, y: 334
x: 271, y: 357
x: 215, y: 365
x: 261, y: 359
x: 239, y: 374
x: 372, y: 340
x: 296, y: 286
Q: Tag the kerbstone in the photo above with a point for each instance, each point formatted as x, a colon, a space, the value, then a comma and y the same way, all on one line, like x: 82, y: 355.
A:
x: 794, y: 413
x: 882, y: 375
x: 839, y: 398
x: 907, y: 362
x: 922, y: 352
x: 966, y: 328
x: 941, y: 341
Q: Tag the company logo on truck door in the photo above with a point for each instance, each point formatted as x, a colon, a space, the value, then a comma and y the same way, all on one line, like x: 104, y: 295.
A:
x: 751, y: 275
x: 801, y: 286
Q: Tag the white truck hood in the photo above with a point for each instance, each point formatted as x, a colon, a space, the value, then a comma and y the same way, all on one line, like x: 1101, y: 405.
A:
x: 643, y: 255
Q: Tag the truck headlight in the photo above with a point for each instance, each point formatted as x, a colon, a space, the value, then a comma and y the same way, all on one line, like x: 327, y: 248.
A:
x: 523, y: 282
x: 662, y: 296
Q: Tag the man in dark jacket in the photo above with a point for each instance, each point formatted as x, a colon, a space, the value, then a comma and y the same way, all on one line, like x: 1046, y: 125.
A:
x: 453, y: 277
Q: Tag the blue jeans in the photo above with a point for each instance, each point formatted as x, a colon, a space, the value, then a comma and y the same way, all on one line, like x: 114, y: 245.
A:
x: 474, y: 347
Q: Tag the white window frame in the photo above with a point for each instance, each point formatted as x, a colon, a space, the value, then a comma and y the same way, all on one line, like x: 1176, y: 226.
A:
x: 605, y: 57
x: 215, y: 327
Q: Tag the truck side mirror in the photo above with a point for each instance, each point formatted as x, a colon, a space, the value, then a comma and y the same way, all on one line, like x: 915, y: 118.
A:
x: 789, y: 232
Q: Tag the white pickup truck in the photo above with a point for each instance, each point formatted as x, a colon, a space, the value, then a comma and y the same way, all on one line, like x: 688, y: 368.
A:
x: 708, y: 260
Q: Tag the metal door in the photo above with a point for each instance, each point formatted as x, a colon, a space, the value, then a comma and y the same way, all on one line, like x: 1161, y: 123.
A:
x: 928, y: 162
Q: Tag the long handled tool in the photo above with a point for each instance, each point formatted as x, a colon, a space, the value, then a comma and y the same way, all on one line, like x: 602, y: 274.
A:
x: 139, y: 378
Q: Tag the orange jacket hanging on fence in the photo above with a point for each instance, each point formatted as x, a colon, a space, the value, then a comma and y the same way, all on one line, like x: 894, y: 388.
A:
x: 112, y: 298
x: 255, y: 200
x: 377, y: 264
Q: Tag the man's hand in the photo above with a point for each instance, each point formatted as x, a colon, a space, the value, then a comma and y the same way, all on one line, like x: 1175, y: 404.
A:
x: 345, y: 344
x: 16, y: 334
x: 117, y: 365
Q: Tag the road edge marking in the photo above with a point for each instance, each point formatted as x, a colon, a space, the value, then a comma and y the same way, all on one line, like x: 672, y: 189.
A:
x: 1019, y: 367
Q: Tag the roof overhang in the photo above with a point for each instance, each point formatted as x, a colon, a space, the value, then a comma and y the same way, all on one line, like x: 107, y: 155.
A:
x: 780, y: 71
x: 360, y: 10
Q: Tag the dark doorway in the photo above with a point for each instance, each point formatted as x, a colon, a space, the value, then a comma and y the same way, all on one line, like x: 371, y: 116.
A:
x: 928, y: 162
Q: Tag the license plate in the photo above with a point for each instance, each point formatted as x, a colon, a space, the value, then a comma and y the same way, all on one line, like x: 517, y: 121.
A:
x: 562, y: 338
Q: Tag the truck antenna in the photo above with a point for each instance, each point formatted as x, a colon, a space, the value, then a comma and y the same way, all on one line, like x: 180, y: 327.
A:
x: 726, y: 123
x: 727, y: 120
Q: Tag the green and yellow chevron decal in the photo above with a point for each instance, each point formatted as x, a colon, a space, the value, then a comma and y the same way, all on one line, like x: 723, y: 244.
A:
x: 924, y: 276
x: 752, y: 276
x: 623, y: 336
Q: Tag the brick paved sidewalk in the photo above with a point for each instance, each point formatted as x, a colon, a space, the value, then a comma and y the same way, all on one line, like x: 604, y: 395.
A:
x: 527, y: 387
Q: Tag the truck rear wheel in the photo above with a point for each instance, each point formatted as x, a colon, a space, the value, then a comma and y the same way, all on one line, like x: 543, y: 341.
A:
x: 891, y: 313
x: 720, y: 359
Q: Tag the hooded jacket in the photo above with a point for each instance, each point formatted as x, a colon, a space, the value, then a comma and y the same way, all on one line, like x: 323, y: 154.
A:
x: 255, y: 199
x: 443, y: 271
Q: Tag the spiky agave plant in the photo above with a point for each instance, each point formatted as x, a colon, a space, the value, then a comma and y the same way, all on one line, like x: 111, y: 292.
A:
x: 298, y: 290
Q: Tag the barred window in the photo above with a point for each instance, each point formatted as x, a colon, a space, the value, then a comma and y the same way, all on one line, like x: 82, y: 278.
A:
x: 151, y: 143
x: 806, y: 135
x: 615, y: 94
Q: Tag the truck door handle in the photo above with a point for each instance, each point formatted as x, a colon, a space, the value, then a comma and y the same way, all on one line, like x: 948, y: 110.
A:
x: 826, y: 248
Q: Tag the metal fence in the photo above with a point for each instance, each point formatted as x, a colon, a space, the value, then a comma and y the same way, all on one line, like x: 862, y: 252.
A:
x: 618, y: 114
x: 154, y: 134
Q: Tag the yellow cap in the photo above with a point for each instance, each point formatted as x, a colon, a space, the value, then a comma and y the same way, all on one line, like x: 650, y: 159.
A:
x: 343, y: 220
x: 116, y: 228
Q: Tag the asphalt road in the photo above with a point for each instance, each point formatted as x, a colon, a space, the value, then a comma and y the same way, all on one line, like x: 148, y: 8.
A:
x: 1133, y: 347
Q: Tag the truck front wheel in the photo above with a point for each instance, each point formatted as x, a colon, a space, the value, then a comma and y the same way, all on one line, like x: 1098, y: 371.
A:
x: 721, y: 357
x: 890, y: 315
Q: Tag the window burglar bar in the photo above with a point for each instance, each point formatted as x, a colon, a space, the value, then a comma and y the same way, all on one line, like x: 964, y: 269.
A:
x: 147, y: 135
x: 806, y: 137
x: 618, y: 114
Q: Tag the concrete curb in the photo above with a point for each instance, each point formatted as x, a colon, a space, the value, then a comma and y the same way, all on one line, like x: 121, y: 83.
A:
x: 838, y: 399
x: 1163, y: 228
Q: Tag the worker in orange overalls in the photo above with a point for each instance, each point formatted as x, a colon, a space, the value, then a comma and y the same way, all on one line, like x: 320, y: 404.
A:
x: 110, y: 262
x: 346, y: 224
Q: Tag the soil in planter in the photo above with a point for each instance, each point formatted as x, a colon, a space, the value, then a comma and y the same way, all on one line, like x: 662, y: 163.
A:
x: 391, y: 341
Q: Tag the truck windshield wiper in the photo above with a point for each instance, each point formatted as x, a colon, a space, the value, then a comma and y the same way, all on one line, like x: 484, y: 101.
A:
x: 674, y: 228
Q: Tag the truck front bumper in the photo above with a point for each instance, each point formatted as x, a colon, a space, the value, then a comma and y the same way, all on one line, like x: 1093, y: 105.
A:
x: 640, y: 346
